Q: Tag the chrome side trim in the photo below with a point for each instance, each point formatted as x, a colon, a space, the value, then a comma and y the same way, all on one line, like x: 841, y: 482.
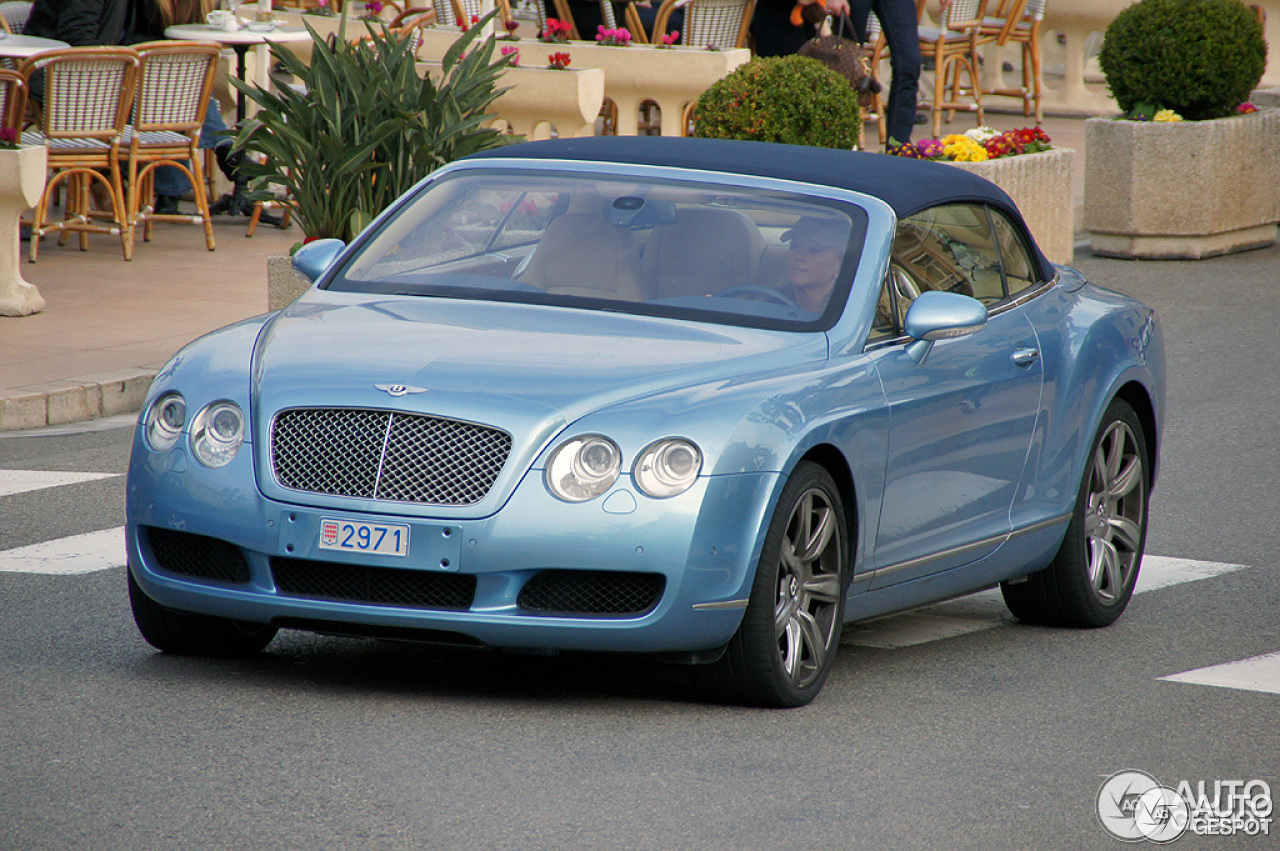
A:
x: 721, y: 605
x: 976, y: 545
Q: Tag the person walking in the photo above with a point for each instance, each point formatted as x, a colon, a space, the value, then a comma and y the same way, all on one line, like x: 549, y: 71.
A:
x: 899, y: 22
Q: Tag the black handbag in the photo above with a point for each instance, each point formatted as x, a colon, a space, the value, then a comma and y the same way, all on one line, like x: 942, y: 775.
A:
x: 847, y: 58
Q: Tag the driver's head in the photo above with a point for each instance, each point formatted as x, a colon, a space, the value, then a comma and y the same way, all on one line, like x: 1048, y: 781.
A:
x: 814, y: 257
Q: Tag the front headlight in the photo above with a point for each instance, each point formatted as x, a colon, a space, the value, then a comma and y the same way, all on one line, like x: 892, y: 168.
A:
x: 164, y: 421
x: 667, y: 467
x: 216, y: 433
x: 583, y: 467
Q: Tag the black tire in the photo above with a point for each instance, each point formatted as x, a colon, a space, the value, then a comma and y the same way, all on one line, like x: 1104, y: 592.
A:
x: 1092, y: 577
x: 191, y: 634
x: 784, y: 648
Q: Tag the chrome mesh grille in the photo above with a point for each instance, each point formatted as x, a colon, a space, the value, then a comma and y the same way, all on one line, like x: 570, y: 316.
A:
x: 386, y: 455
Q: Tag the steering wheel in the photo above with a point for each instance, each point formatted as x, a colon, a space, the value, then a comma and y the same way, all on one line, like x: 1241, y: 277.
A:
x: 758, y: 294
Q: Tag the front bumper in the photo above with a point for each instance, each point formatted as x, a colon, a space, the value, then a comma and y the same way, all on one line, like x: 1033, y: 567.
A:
x: 703, y: 544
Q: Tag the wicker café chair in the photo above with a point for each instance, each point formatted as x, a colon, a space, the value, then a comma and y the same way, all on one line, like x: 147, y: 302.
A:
x: 953, y: 47
x: 631, y: 20
x: 720, y: 24
x: 88, y: 92
x: 175, y: 79
x: 459, y: 13
x: 13, y: 100
x: 1019, y: 22
x: 13, y: 16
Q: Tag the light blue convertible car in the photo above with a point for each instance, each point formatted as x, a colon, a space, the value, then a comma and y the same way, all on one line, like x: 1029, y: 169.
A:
x: 697, y: 399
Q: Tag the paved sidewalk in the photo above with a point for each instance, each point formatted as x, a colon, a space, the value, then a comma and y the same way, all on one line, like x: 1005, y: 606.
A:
x: 109, y: 325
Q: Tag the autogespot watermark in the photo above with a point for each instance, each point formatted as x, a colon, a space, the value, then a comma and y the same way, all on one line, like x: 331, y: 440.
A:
x: 1134, y: 806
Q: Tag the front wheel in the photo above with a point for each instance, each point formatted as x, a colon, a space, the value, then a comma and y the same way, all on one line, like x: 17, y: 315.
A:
x: 191, y: 634
x: 783, y: 650
x: 1092, y: 577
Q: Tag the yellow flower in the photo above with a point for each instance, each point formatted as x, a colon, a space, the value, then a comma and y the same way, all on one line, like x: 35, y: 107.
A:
x: 963, y: 149
x: 1167, y: 115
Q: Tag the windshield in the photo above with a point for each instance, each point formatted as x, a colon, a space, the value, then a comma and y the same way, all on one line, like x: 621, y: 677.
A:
x: 656, y: 247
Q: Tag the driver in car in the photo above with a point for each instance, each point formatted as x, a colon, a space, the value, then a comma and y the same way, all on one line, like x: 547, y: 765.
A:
x: 814, y: 258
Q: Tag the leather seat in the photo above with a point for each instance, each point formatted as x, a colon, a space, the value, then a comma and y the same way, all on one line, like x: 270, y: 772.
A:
x: 583, y: 255
x: 705, y: 252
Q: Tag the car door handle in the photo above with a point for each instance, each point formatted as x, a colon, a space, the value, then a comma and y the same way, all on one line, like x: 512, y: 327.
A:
x: 1025, y: 357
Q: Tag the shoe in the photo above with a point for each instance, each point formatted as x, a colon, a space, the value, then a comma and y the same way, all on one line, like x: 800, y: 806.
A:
x: 166, y: 205
x: 229, y: 163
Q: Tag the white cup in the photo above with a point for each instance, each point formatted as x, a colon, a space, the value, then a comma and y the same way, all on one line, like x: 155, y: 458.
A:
x: 222, y: 20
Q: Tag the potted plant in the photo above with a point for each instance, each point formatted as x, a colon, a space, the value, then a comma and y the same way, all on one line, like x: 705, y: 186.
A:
x: 22, y: 176
x: 1025, y: 164
x: 790, y: 99
x: 363, y: 127
x: 1204, y: 179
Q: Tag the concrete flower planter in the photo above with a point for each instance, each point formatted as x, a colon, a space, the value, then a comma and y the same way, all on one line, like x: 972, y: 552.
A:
x: 284, y: 285
x: 540, y: 99
x: 1040, y: 184
x: 22, y: 173
x: 1185, y: 189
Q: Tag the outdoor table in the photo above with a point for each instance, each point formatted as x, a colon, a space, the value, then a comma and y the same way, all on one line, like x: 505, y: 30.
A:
x: 240, y: 41
x: 22, y: 46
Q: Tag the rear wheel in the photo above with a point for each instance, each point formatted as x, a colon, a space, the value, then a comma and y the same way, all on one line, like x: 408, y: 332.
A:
x: 1093, y: 575
x: 191, y: 634
x: 783, y: 650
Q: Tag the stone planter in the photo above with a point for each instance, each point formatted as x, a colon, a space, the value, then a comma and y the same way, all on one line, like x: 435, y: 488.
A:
x: 540, y: 99
x: 284, y: 285
x: 670, y: 77
x: 1040, y: 184
x: 22, y: 176
x: 1182, y: 190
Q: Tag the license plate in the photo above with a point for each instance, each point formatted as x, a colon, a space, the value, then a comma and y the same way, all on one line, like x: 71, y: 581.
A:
x: 351, y: 536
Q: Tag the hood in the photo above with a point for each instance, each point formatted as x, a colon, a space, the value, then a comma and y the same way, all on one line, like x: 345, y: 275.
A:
x: 529, y: 370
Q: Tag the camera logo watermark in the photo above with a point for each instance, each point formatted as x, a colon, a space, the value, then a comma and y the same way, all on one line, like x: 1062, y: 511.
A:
x: 1134, y: 806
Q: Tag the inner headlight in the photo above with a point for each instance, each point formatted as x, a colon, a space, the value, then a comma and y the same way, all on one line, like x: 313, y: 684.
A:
x: 583, y: 467
x: 667, y: 467
x: 164, y: 421
x: 216, y: 433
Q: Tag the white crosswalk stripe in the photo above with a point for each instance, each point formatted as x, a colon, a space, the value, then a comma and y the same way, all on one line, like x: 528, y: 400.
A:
x: 986, y: 609
x: 20, y: 481
x: 85, y: 553
x: 1260, y: 673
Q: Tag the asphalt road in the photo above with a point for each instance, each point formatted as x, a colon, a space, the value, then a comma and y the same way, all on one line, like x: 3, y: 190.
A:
x: 991, y: 738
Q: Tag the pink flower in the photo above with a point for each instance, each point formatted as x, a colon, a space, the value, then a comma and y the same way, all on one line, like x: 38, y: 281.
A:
x: 514, y: 53
x: 670, y: 38
x: 1246, y: 108
x: 620, y: 37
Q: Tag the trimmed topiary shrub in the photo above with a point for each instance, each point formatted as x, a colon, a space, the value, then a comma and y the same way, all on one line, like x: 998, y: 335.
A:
x: 1199, y: 58
x: 790, y: 99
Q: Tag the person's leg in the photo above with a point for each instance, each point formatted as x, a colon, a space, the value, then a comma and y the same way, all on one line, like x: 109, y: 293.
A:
x: 899, y: 23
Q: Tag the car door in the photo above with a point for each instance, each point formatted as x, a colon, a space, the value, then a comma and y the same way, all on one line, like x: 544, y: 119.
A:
x: 961, y: 421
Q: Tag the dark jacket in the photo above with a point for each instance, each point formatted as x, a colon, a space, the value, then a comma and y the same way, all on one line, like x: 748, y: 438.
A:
x: 80, y: 23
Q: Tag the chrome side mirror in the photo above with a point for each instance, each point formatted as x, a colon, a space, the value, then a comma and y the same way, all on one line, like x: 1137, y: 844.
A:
x: 313, y: 258
x: 940, y: 316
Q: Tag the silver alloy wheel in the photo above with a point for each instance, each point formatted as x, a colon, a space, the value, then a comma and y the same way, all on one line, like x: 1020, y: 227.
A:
x: 806, y: 610
x: 1114, y: 513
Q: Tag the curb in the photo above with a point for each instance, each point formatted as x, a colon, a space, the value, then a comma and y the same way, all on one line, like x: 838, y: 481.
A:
x: 75, y: 400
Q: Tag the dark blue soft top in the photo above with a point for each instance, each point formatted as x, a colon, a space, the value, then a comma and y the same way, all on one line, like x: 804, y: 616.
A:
x: 906, y: 185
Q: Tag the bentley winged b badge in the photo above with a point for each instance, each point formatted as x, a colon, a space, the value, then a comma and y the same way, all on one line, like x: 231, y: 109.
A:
x: 400, y: 389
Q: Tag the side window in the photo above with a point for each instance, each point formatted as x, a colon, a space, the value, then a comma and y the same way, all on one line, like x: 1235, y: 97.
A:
x: 950, y: 248
x: 1019, y: 270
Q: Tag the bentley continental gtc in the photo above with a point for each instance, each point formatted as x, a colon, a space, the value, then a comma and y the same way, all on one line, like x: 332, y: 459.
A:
x: 701, y: 400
